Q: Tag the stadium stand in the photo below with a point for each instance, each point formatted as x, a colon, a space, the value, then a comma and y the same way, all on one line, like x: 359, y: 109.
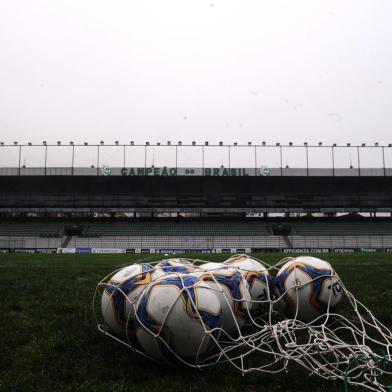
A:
x: 105, y: 208
x: 31, y: 228
x: 157, y: 234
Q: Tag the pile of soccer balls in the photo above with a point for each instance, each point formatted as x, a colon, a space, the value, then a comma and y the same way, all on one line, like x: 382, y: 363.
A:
x: 181, y: 310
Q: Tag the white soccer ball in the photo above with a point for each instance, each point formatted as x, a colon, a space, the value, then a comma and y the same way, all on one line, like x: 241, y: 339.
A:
x: 233, y: 293
x: 258, y: 279
x: 176, y: 319
x: 175, y: 265
x: 120, y: 294
x: 210, y: 266
x: 307, y: 288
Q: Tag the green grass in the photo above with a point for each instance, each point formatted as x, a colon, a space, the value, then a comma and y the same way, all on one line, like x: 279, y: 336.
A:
x: 49, y: 340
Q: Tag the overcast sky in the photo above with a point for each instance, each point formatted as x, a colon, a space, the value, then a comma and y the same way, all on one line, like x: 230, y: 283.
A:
x: 230, y: 70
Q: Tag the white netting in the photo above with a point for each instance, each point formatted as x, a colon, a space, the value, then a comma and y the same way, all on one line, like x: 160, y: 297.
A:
x: 249, y: 314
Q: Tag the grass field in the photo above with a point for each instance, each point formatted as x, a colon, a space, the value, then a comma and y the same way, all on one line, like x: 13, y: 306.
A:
x: 49, y: 341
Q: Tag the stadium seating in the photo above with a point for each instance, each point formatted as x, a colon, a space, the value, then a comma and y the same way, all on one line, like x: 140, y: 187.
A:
x: 198, y: 234
x: 341, y: 227
x: 195, y: 242
x: 14, y: 241
x: 31, y: 228
x: 177, y: 228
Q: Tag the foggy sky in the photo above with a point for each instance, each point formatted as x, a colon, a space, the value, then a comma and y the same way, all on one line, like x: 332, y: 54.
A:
x: 229, y: 70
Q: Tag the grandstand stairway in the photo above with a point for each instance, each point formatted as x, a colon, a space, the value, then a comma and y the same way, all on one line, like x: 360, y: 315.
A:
x: 66, y: 240
x: 287, y: 241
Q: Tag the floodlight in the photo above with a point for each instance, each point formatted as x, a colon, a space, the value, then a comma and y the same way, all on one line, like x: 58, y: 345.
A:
x: 147, y: 143
x: 168, y: 142
x: 101, y: 142
x: 249, y: 143
x: 179, y: 143
x: 193, y: 143
x: 132, y: 142
x: 71, y: 143
x: 290, y: 143
x: 15, y: 143
x: 44, y: 142
x: 29, y: 144
x: 320, y: 144
x: 116, y: 142
x: 221, y: 143
x: 263, y: 143
x: 59, y: 143
x: 206, y: 143
x: 363, y: 144
x: 348, y: 144
x: 85, y: 143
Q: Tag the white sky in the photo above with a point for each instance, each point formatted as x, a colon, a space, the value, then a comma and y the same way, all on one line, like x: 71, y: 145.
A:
x: 230, y: 70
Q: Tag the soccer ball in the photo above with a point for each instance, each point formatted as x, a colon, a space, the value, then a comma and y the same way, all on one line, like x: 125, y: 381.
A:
x: 233, y: 293
x: 211, y: 266
x: 258, y: 279
x: 307, y: 288
x: 177, y: 317
x: 175, y: 265
x: 120, y: 294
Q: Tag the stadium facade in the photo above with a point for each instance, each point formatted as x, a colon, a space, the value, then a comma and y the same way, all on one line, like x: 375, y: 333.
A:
x: 166, y: 205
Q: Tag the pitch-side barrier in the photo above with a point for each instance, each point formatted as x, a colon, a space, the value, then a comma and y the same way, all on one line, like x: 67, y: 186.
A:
x: 87, y: 250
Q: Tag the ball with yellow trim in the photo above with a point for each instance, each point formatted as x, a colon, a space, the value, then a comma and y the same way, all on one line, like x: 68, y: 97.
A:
x: 177, y: 318
x: 233, y: 293
x: 120, y: 294
x: 175, y: 265
x: 258, y: 279
x: 307, y: 288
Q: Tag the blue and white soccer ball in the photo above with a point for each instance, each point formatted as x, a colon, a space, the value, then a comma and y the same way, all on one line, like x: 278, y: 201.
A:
x: 175, y: 265
x: 233, y: 293
x: 258, y: 279
x: 177, y: 318
x: 120, y: 294
x: 307, y: 288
